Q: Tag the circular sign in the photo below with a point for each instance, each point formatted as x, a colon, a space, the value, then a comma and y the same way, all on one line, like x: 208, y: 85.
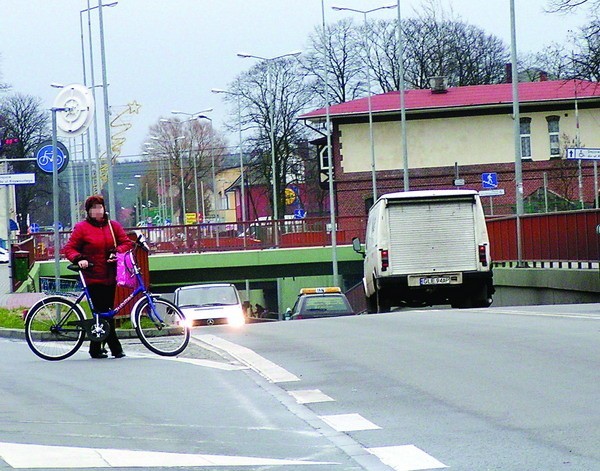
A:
x: 43, y: 155
x: 77, y: 105
x: 290, y: 196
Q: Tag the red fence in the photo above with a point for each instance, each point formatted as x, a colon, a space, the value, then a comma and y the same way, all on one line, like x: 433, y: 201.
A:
x: 563, y: 236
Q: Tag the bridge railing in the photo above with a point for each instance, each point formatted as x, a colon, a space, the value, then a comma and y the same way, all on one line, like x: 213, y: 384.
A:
x: 214, y: 237
x: 562, y: 236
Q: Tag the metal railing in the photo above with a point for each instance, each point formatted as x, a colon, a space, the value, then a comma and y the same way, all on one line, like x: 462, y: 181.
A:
x: 561, y: 236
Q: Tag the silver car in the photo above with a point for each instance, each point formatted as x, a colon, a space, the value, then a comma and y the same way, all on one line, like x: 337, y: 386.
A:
x: 209, y: 304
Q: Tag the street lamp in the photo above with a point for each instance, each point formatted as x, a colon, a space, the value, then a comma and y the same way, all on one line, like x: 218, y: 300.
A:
x: 108, y: 140
x: 239, y: 111
x: 368, y: 74
x: 158, y: 138
x: 192, y: 117
x: 268, y: 60
x: 92, y: 87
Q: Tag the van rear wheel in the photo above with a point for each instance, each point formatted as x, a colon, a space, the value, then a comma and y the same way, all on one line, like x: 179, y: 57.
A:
x: 383, y: 303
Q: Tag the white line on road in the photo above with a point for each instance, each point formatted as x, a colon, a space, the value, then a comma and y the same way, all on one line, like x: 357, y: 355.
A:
x: 193, y: 361
x: 309, y: 396
x: 19, y: 456
x: 266, y: 368
x: 406, y: 458
x: 348, y: 422
x: 547, y: 314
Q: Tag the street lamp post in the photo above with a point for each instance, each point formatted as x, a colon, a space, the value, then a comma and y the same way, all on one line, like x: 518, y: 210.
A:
x: 269, y: 60
x: 192, y: 117
x: 92, y: 87
x: 111, y: 188
x: 239, y: 113
x: 368, y: 75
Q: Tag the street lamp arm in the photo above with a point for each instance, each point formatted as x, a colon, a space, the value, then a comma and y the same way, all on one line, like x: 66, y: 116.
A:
x: 365, y: 12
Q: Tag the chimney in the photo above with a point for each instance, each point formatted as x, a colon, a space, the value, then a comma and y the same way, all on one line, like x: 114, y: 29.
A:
x: 508, y: 72
x: 543, y: 76
x: 438, y: 84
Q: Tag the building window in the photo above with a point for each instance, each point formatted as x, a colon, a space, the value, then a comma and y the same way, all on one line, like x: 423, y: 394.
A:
x: 525, y: 130
x: 554, y: 135
x: 324, y: 158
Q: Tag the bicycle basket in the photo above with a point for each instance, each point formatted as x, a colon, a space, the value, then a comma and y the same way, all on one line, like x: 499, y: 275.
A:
x: 65, y: 286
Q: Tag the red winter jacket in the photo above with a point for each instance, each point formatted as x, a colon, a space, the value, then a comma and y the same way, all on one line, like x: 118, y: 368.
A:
x: 93, y: 241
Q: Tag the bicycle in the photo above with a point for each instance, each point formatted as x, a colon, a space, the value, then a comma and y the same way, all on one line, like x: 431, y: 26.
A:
x: 56, y: 326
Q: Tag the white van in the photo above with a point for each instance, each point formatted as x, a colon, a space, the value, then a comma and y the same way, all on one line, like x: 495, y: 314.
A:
x: 426, y: 248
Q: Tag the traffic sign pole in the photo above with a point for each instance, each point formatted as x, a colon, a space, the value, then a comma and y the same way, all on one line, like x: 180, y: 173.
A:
x: 55, y: 196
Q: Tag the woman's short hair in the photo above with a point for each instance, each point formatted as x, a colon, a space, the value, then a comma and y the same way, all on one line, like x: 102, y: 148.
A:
x: 92, y: 200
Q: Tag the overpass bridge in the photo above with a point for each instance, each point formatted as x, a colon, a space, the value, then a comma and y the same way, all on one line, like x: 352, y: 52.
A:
x: 560, y: 253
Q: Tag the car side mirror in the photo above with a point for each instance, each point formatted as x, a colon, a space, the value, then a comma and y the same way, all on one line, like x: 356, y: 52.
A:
x: 288, y: 313
x: 357, y: 246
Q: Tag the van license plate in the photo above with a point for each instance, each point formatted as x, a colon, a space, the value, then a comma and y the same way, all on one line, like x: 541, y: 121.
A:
x: 435, y: 280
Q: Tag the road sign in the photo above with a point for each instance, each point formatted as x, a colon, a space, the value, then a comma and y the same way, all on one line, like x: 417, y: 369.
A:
x: 299, y: 213
x: 489, y: 180
x: 34, y: 227
x: 43, y: 155
x: 17, y: 179
x: 496, y: 192
x: 582, y: 153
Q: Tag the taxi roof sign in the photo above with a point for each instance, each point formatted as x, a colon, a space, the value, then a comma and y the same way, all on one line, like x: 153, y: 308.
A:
x: 328, y: 289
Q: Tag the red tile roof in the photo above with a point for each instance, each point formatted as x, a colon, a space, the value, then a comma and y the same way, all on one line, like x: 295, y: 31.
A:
x: 466, y: 97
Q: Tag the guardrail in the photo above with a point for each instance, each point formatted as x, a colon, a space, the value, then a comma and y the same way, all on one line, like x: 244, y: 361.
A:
x: 564, y: 236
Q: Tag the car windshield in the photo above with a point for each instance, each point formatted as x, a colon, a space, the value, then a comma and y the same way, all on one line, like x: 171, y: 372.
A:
x: 325, y: 304
x: 208, y: 296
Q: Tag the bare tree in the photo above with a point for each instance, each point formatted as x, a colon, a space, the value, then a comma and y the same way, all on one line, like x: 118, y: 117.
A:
x: 336, y: 54
x: 23, y: 119
x: 437, y: 45
x: 586, y: 61
x: 570, y: 5
x: 187, y: 149
x: 272, y: 95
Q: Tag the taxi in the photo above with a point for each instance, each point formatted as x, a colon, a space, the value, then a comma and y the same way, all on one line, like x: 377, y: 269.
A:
x: 320, y: 302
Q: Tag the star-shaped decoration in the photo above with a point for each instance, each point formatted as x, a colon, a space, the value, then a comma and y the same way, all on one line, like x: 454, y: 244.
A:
x: 134, y: 107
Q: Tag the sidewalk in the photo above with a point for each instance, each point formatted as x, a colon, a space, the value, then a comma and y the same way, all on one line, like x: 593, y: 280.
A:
x: 10, y: 300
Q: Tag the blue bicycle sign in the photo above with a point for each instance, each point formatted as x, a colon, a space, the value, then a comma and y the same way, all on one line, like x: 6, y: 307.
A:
x: 45, y: 160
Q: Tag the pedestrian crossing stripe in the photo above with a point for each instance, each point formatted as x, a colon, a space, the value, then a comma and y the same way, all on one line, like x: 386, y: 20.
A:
x: 19, y: 456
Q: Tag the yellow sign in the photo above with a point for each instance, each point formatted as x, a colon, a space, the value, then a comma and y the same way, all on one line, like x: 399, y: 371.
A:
x: 290, y: 196
x: 191, y: 218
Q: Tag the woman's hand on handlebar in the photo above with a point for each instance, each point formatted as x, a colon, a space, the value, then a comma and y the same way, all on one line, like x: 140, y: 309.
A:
x: 83, y: 264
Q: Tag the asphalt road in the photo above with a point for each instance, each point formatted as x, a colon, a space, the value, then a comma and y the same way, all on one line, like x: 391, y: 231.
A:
x: 496, y: 389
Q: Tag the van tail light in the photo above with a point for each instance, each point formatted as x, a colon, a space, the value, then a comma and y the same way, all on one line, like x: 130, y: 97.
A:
x: 483, y: 254
x: 385, y: 260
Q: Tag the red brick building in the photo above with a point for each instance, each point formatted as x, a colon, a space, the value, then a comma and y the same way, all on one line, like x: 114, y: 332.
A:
x: 454, y: 135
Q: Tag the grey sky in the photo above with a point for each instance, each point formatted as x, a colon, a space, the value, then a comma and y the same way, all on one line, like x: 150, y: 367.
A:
x: 168, y: 54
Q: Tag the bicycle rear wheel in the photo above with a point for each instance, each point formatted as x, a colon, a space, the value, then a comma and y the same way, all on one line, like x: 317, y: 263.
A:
x: 50, y: 328
x: 163, y: 331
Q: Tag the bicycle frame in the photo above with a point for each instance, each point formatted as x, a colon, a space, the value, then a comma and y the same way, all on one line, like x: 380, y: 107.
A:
x: 141, y: 288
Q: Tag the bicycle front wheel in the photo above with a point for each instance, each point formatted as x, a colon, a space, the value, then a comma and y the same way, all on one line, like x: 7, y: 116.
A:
x: 161, y: 327
x: 51, y: 328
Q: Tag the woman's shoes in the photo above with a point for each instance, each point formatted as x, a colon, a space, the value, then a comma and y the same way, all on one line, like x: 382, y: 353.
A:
x: 99, y: 355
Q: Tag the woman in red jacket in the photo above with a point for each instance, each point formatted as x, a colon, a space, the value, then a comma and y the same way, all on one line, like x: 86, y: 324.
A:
x: 93, y: 245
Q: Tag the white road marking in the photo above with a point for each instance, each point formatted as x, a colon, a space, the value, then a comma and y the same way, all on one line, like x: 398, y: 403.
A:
x: 266, y: 368
x: 547, y: 314
x: 308, y: 396
x: 19, y: 455
x: 193, y: 361
x: 406, y: 458
x: 348, y: 422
